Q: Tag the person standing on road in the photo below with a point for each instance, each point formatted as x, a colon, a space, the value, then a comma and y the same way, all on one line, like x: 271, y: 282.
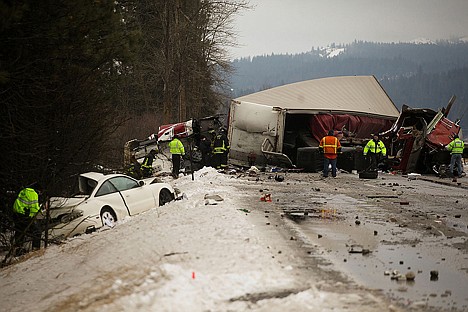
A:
x: 376, y: 149
x: 456, y: 150
x: 25, y: 208
x: 221, y: 150
x: 330, y: 146
x: 177, y: 151
x: 147, y: 164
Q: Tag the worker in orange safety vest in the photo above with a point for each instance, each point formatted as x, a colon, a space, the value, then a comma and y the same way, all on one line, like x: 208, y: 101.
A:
x: 330, y: 147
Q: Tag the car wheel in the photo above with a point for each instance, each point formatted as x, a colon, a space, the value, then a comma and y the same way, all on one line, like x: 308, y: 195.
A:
x: 108, y: 217
x: 165, y: 196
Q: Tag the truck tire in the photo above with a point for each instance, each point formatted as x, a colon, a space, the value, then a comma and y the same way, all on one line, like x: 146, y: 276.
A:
x: 368, y: 175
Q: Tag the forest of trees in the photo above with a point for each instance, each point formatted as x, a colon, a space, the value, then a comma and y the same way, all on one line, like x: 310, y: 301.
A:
x: 80, y: 78
x: 418, y: 75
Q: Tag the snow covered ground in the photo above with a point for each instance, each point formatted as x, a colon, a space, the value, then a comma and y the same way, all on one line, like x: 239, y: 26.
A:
x: 195, y: 254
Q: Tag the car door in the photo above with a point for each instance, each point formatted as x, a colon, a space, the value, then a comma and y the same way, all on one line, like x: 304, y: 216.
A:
x: 137, y: 198
x: 108, y: 195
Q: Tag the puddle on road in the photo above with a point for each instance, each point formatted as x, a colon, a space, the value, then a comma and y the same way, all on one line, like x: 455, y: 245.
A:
x: 392, y: 248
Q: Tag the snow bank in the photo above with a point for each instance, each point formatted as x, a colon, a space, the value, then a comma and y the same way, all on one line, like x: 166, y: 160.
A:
x: 189, y: 255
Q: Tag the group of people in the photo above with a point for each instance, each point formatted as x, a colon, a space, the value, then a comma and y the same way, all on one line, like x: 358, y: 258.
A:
x: 214, y: 148
x: 143, y: 170
x: 214, y: 153
x: 330, y: 147
x: 375, y: 151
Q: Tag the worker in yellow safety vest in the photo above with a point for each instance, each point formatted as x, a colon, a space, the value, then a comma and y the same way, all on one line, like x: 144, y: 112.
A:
x: 456, y: 148
x: 376, y: 150
x: 25, y: 208
x: 177, y: 151
x: 330, y: 146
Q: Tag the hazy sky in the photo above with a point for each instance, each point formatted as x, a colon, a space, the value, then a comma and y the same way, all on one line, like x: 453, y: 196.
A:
x: 293, y: 26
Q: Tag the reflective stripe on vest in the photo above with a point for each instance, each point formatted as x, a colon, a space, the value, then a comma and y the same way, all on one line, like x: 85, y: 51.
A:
x: 329, y: 144
x: 219, y: 144
x: 27, y: 200
x: 176, y: 147
x: 456, y: 146
x: 148, y: 162
x: 372, y: 147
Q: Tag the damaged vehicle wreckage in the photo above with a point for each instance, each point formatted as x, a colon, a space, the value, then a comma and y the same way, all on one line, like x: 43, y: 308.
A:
x: 419, y: 137
x: 189, y: 132
x: 283, y: 126
x: 102, y: 201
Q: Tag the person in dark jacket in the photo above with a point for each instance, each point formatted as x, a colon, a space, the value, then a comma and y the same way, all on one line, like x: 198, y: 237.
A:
x: 221, y: 150
x: 134, y: 168
x: 147, y: 164
x: 206, y: 151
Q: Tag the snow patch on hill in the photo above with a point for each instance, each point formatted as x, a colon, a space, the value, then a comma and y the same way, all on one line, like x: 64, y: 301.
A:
x: 330, y: 52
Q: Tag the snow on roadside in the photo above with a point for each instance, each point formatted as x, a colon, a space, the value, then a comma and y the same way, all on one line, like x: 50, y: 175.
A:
x: 185, y: 256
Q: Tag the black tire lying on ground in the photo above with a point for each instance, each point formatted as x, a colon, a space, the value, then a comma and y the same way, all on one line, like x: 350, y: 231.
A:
x: 368, y: 175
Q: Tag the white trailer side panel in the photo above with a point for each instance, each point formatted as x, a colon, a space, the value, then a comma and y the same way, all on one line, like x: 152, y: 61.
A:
x: 249, y: 125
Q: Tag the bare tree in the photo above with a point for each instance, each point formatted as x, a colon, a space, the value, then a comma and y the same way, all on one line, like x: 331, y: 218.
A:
x: 183, y: 58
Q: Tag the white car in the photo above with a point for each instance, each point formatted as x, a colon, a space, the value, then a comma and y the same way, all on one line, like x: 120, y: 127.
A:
x: 103, y: 200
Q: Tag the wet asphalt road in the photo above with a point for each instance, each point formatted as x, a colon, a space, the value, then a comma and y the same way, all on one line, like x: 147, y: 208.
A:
x: 375, y: 233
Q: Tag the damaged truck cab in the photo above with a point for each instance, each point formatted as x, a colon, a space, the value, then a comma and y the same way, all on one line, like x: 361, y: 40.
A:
x: 419, y: 137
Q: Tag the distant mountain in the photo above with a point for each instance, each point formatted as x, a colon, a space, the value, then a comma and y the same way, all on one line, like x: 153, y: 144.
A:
x: 422, y: 41
x: 421, y: 73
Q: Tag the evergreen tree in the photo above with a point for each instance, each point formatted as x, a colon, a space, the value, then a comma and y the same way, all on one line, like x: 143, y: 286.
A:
x: 60, y: 62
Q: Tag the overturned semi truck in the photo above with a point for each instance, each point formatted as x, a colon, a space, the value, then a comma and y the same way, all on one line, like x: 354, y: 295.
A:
x: 283, y: 126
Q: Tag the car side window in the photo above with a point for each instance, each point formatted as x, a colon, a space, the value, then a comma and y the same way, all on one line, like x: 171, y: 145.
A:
x: 106, y: 188
x: 124, y: 183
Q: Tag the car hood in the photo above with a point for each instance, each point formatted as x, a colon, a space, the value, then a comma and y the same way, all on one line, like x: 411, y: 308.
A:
x: 61, y: 205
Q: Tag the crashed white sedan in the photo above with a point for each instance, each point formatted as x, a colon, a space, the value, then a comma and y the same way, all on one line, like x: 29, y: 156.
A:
x: 103, y: 200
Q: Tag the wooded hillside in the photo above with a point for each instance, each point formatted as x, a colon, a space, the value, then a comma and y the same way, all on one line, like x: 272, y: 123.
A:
x: 80, y: 78
x: 419, y: 75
